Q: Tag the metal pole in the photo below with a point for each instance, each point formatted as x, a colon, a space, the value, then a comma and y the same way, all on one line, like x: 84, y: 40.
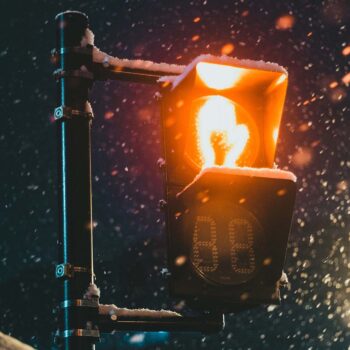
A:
x: 78, y: 317
x: 80, y: 323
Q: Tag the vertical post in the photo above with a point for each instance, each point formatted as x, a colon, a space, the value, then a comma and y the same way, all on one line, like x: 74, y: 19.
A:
x: 78, y: 316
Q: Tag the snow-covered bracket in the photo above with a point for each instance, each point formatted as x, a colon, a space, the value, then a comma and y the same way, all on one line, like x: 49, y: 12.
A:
x: 113, y: 318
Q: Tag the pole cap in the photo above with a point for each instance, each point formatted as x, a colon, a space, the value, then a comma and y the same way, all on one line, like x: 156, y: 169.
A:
x: 71, y: 26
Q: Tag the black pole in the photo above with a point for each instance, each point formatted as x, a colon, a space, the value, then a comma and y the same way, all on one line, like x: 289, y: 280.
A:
x: 80, y: 323
x: 78, y: 317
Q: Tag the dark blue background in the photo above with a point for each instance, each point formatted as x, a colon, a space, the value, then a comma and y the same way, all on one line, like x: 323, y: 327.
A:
x: 129, y: 232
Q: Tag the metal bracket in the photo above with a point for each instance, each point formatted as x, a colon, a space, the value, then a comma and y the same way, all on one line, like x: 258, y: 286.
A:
x: 88, y: 333
x: 75, y: 49
x: 68, y: 270
x: 203, y: 323
x: 76, y: 73
x: 64, y: 112
x: 79, y: 303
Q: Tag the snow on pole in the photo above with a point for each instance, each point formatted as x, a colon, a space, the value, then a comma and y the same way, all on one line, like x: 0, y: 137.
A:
x: 99, y: 56
x: 112, y: 309
x: 245, y: 171
x: 252, y: 172
x: 165, y: 72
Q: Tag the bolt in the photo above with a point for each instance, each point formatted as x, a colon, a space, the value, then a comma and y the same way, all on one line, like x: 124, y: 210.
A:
x: 161, y: 163
x: 162, y: 204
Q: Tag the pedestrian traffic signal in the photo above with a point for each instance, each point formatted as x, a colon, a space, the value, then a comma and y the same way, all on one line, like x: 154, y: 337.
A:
x: 224, y: 112
x: 228, y: 210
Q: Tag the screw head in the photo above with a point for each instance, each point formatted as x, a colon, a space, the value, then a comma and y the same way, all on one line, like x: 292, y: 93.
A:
x: 161, y: 163
x: 59, y: 271
x: 162, y: 204
x: 58, y: 112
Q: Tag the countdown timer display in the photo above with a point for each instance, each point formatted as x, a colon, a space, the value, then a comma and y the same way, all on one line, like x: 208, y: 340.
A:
x: 227, y: 235
x: 226, y: 242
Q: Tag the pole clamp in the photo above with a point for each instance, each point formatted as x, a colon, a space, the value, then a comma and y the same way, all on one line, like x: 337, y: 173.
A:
x: 75, y: 73
x: 86, y: 333
x: 79, y: 303
x: 63, y: 112
x: 74, y: 49
x: 68, y: 270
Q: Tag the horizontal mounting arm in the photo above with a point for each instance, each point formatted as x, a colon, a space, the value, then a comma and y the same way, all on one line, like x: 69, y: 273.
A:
x: 205, y: 324
x: 111, y: 72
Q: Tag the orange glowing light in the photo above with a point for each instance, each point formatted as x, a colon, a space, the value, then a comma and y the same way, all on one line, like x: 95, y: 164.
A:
x: 219, y: 76
x: 346, y: 79
x: 222, y: 112
x: 224, y: 133
x: 275, y: 134
x: 227, y: 49
x: 333, y: 84
x: 285, y: 22
x: 217, y: 128
x: 346, y: 51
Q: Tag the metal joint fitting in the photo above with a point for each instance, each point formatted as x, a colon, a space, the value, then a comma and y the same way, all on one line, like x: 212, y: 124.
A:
x: 86, y: 333
x: 64, y: 112
x: 79, y: 303
x: 68, y: 270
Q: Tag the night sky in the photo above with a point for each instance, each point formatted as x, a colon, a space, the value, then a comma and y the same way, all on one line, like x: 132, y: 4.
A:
x: 310, y: 38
